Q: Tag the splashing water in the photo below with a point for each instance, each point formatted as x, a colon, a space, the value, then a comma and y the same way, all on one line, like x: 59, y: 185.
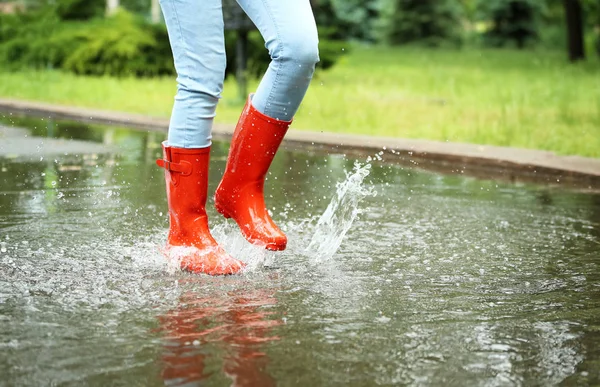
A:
x: 230, y: 238
x: 85, y: 271
x: 339, y: 215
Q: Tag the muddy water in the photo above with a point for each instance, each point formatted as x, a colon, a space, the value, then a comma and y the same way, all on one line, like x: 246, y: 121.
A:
x: 393, y: 276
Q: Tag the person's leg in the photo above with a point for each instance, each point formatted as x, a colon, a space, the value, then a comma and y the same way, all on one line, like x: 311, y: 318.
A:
x: 290, y: 34
x: 196, y: 34
x: 197, y: 41
x: 291, y: 37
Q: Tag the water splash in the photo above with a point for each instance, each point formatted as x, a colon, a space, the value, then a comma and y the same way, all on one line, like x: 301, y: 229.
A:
x: 339, y: 215
x: 231, y: 239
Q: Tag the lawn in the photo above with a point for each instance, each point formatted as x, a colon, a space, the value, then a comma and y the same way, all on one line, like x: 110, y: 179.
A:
x: 532, y: 99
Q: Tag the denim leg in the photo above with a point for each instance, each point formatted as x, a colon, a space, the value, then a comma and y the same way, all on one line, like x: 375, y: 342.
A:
x: 197, y: 40
x: 290, y: 33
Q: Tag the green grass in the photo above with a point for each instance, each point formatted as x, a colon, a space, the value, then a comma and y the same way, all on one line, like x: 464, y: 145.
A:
x: 529, y: 99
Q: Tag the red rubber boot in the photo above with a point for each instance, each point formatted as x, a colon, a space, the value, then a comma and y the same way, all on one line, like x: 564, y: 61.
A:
x: 240, y: 194
x: 186, y: 174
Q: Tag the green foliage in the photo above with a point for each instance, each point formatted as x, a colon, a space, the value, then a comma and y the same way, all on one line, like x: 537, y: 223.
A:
x: 349, y: 19
x: 511, y: 21
x: 429, y: 22
x: 591, y: 9
x: 119, y: 45
x: 330, y: 52
x: 141, y: 7
x: 24, y: 39
x: 79, y: 9
x: 258, y: 57
x: 360, y: 17
x: 68, y: 9
x: 494, y: 96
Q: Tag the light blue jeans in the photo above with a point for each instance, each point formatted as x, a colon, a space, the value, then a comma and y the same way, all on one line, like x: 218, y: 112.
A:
x: 196, y: 33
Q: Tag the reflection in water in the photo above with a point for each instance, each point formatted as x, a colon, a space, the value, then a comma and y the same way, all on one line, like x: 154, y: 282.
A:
x: 231, y: 324
x: 441, y: 280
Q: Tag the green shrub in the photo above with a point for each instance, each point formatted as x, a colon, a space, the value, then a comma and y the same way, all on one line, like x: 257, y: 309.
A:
x: 79, y: 9
x: 330, y: 51
x: 428, y: 22
x: 258, y: 57
x: 120, y: 45
x: 24, y: 39
x: 592, y: 12
x: 349, y: 19
x: 511, y: 21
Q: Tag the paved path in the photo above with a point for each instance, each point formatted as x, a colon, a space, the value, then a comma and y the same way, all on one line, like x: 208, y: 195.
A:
x: 475, y: 160
x: 17, y: 143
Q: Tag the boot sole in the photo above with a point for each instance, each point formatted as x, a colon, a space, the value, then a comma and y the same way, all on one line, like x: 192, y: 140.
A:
x: 268, y: 246
x: 222, y: 211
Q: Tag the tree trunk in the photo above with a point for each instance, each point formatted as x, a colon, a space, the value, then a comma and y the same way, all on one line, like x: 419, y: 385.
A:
x: 155, y: 11
x: 574, y: 29
x: 111, y: 6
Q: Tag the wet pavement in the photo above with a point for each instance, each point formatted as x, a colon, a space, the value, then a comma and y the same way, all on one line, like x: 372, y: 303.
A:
x: 432, y: 279
x: 484, y: 161
x: 18, y: 143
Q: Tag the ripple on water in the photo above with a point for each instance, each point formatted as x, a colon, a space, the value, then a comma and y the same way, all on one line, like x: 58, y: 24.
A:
x: 436, y: 280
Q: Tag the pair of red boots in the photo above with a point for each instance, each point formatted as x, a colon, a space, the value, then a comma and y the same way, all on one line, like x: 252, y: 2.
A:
x: 239, y: 195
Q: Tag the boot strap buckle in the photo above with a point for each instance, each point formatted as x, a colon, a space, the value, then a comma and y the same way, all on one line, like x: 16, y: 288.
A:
x: 183, y: 167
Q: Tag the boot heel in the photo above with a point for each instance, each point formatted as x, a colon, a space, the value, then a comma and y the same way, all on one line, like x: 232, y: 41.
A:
x: 222, y: 211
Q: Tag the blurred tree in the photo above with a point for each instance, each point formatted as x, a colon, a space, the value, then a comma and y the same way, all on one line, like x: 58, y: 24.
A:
x: 432, y: 22
x: 69, y: 9
x: 155, y: 11
x: 592, y: 19
x: 515, y: 21
x: 552, y: 28
x: 470, y: 8
x: 124, y: 44
x: 111, y: 6
x: 87, y: 9
x: 141, y: 7
x: 79, y: 9
x: 348, y: 19
x: 574, y: 18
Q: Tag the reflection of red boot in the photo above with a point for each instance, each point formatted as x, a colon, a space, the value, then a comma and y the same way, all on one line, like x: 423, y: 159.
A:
x: 186, y: 174
x: 230, y: 326
x: 245, y: 363
x: 183, y: 356
x: 240, y: 194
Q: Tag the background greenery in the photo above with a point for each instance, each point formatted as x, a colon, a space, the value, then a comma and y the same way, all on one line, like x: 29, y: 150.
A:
x: 497, y: 96
x: 480, y: 71
x: 74, y: 35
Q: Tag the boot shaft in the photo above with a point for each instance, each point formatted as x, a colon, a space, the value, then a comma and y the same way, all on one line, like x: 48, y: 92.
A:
x: 255, y: 142
x: 240, y: 195
x: 186, y: 176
